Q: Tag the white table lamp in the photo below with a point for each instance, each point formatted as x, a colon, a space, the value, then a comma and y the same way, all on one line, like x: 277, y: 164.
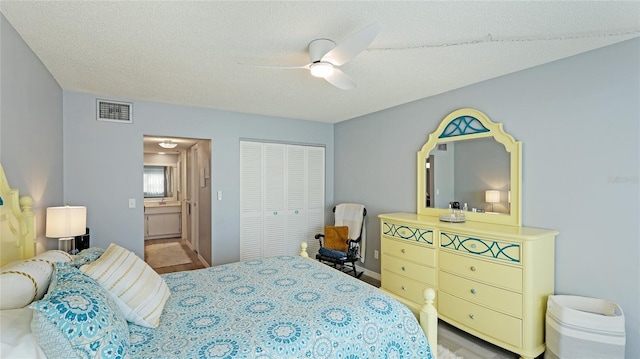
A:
x: 65, y: 223
x: 492, y: 196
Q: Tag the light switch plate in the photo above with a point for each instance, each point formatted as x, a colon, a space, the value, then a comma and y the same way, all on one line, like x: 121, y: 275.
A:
x: 132, y: 203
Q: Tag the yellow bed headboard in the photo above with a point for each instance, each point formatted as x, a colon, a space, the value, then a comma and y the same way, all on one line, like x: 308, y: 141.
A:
x: 17, y: 224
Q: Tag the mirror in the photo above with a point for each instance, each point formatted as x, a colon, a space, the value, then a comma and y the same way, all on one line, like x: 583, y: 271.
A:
x: 158, y: 181
x: 465, y: 171
x: 470, y: 160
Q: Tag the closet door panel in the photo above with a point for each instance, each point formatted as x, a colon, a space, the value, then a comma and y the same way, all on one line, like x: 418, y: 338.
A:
x: 315, y: 178
x: 273, y: 236
x: 251, y: 200
x: 274, y: 179
x: 251, y: 177
x: 296, y: 188
x: 315, y: 225
x: 251, y: 236
x: 296, y: 185
x: 296, y: 231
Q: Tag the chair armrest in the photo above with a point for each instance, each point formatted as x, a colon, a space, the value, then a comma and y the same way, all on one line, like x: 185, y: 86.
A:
x: 319, y: 235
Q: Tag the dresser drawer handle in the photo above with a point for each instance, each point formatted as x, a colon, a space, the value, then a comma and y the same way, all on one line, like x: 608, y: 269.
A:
x: 473, y: 291
x: 403, y: 288
x: 402, y: 250
x: 472, y: 316
x: 473, y: 269
x: 404, y: 269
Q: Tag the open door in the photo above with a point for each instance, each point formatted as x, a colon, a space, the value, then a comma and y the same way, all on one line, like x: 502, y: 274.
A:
x: 200, y: 200
x: 190, y: 191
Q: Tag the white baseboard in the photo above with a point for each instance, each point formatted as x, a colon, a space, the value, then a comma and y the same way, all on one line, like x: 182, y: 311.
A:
x: 371, y: 274
x: 204, y: 263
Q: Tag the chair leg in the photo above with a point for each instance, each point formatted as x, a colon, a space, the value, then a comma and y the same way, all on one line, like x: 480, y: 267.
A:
x: 355, y: 272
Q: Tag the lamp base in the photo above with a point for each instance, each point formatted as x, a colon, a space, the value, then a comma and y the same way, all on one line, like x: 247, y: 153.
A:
x: 66, y: 244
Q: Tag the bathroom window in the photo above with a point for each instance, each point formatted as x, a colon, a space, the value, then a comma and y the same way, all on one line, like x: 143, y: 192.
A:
x: 155, y: 182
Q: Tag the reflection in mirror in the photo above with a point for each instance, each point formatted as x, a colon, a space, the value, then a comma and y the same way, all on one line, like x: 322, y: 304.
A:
x: 463, y: 171
x: 158, y: 181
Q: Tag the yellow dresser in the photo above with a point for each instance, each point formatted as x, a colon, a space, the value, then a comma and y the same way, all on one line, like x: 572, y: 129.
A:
x: 408, y: 261
x: 492, y: 280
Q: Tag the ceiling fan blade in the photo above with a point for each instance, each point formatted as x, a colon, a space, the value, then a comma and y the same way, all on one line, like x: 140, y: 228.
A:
x: 340, y: 80
x: 352, y: 46
x: 307, y: 66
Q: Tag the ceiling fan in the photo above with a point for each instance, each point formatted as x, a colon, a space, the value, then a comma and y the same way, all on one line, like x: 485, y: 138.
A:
x: 326, y: 56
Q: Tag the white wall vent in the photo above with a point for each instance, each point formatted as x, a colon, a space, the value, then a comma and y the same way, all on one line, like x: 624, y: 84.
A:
x: 113, y: 111
x: 442, y: 146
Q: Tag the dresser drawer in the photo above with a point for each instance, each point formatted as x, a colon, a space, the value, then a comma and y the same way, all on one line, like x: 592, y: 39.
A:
x: 408, y: 232
x: 499, y: 251
x: 409, y: 269
x: 404, y: 287
x: 480, y: 270
x: 497, y: 325
x: 486, y: 295
x: 409, y: 251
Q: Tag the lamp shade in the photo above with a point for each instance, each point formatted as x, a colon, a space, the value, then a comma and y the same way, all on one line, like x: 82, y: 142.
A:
x: 492, y: 196
x: 67, y: 221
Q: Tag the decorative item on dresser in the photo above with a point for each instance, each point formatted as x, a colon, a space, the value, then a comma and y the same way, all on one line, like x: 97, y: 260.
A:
x: 492, y: 274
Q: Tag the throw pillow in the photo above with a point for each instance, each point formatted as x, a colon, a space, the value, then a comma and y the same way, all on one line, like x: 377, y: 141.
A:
x: 24, y: 281
x: 336, y: 237
x: 136, y: 288
x: 86, y: 256
x: 78, y: 319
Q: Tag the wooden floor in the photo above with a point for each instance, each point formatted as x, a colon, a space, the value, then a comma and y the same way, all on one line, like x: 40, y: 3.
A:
x: 195, y: 261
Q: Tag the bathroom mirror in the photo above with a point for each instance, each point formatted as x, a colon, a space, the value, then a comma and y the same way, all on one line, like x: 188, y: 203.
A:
x: 470, y: 159
x: 158, y: 181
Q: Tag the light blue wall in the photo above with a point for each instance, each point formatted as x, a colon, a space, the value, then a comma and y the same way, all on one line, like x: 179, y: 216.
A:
x: 30, y: 127
x: 103, y: 164
x: 578, y: 120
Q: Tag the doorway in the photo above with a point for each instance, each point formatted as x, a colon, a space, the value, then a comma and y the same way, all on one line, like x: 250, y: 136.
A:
x: 177, y: 202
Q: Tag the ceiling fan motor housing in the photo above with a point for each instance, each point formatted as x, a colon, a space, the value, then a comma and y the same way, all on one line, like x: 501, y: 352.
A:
x: 318, y: 48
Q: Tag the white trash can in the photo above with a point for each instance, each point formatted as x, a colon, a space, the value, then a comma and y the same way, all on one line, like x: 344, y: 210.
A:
x: 581, y: 327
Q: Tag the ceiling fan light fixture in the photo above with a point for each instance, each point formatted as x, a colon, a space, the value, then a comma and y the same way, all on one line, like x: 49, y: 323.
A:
x: 321, y: 69
x: 167, y: 144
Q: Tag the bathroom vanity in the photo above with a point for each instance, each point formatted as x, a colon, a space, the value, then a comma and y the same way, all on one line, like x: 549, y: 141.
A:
x: 162, y: 220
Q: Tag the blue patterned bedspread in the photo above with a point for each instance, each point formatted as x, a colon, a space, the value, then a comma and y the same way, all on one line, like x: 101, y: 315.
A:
x: 280, y: 307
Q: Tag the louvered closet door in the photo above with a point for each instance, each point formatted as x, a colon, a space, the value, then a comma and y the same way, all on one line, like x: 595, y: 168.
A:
x: 251, y: 213
x: 315, y: 171
x: 296, y: 208
x: 274, y: 204
x: 291, y: 194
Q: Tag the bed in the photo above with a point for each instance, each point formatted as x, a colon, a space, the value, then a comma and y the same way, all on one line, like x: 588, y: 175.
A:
x: 277, y: 307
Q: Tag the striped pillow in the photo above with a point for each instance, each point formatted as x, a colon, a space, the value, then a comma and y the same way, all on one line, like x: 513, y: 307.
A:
x: 137, y: 289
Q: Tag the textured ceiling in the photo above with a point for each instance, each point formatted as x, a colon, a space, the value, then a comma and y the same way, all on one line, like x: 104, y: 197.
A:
x: 192, y: 53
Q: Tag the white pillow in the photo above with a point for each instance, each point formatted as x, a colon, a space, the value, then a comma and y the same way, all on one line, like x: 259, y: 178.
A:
x: 24, y: 281
x: 16, y: 339
x: 137, y: 289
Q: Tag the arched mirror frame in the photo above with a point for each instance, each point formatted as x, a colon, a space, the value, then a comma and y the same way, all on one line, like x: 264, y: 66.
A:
x: 455, y: 128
